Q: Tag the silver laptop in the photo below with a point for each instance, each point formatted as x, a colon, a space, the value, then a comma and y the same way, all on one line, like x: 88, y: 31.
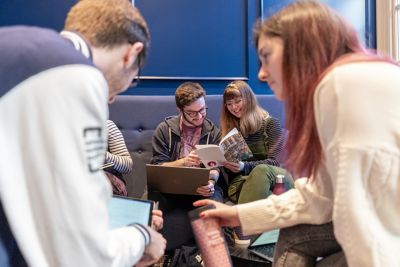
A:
x: 123, y: 211
x: 264, y: 245
x: 176, y: 180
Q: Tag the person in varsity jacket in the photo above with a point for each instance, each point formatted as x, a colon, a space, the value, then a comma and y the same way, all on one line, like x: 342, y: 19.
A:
x: 53, y: 108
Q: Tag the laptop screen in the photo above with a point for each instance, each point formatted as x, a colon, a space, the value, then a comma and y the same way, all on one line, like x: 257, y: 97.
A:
x: 124, y: 211
x: 270, y: 237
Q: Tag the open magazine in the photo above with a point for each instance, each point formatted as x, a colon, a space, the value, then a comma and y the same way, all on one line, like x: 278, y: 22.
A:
x: 232, y: 148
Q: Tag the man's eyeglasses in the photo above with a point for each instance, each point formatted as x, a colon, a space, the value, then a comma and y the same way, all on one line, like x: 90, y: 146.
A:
x: 194, y: 114
x: 136, y: 80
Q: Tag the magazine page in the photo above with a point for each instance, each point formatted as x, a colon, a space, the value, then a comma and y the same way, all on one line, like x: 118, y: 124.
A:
x: 235, y: 147
x: 210, y: 155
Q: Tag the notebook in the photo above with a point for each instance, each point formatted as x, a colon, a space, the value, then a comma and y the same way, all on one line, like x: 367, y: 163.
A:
x: 263, y: 246
x: 176, y: 180
x: 123, y: 211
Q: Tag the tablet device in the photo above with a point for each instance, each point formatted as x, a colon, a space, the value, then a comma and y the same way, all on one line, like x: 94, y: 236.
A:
x: 176, y: 180
x: 124, y: 211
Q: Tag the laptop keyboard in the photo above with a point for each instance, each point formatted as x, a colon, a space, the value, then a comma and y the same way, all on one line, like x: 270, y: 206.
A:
x: 267, y: 250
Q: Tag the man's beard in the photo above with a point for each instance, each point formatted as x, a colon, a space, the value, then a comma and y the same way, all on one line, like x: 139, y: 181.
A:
x: 189, y: 123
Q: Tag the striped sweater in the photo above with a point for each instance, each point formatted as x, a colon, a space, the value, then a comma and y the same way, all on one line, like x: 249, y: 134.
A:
x: 265, y: 144
x: 117, y: 152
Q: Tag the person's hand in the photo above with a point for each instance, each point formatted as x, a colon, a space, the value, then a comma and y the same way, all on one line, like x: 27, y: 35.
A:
x: 157, y: 220
x: 214, y: 174
x: 192, y: 160
x: 207, y: 190
x: 233, y: 167
x: 226, y: 215
x: 118, y: 187
x: 153, y: 251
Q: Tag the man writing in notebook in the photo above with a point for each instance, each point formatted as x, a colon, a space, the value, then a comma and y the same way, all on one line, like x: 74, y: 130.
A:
x: 54, y: 92
x: 174, y: 142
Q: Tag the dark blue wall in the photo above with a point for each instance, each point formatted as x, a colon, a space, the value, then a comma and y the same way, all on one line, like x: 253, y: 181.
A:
x: 44, y: 13
x: 208, y: 41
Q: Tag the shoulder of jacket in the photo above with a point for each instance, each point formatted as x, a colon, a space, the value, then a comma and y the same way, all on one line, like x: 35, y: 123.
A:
x: 171, y: 123
x: 209, y: 125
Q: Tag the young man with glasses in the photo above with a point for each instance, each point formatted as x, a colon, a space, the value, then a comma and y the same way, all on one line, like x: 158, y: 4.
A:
x: 53, y: 109
x: 174, y: 143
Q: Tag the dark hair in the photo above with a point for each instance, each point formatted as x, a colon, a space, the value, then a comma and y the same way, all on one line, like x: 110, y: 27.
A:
x: 314, y: 37
x: 187, y: 93
x: 108, y: 23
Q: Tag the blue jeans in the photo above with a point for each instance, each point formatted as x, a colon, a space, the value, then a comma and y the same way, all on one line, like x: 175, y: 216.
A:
x: 308, y: 245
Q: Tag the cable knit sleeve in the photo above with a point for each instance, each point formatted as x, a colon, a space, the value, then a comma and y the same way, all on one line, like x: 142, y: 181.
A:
x: 309, y: 202
x: 360, y: 140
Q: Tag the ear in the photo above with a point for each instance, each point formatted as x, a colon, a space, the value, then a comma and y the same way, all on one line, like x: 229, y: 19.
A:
x: 132, y: 53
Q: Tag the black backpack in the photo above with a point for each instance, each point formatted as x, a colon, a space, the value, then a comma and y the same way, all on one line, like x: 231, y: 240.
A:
x: 185, y: 256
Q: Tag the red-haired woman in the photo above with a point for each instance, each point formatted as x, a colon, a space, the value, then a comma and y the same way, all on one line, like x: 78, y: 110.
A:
x: 343, y: 117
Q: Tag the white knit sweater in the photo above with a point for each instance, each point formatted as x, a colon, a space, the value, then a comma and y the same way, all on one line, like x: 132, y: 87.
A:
x: 357, y: 109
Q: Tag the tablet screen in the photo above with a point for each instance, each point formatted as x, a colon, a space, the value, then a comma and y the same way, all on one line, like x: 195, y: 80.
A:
x: 124, y: 211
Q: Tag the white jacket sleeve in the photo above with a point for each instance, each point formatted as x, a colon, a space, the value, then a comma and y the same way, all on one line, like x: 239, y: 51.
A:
x: 52, y: 191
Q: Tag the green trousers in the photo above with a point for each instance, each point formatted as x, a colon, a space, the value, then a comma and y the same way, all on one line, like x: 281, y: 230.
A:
x: 259, y: 184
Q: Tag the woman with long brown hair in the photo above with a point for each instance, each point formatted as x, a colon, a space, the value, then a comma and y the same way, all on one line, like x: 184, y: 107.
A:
x: 344, y: 135
x: 253, y: 178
